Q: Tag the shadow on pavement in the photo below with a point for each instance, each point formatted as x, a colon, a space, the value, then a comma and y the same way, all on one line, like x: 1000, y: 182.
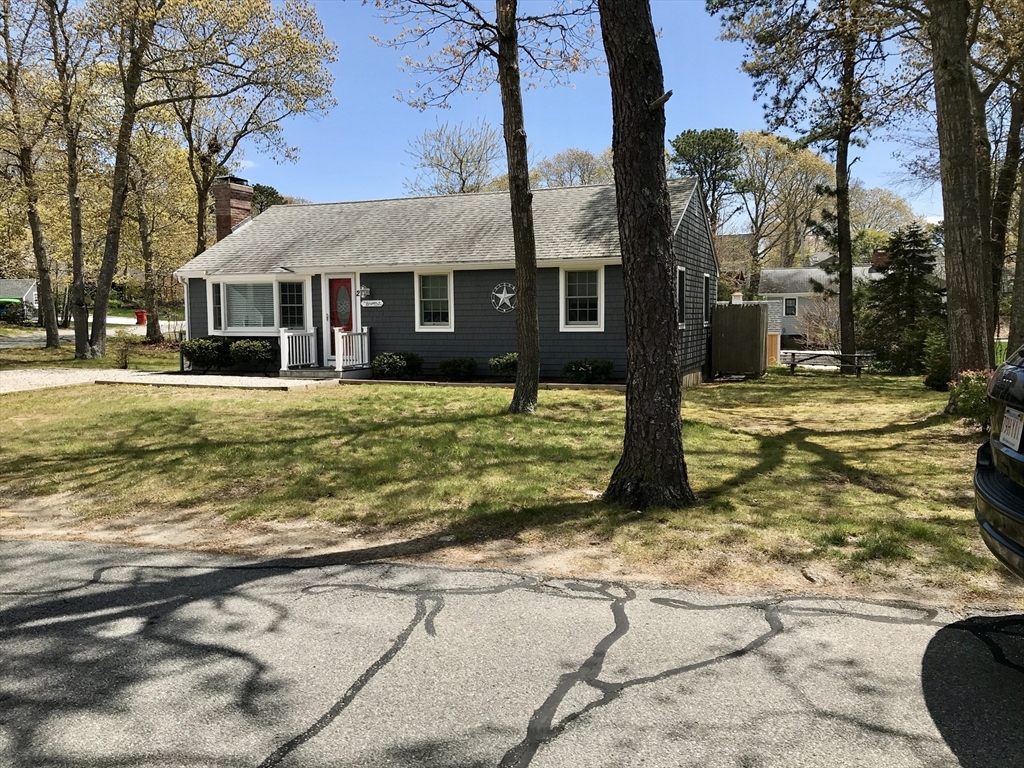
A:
x: 973, y: 680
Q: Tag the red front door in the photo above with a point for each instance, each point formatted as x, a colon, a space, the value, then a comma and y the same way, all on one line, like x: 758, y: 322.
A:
x: 340, y: 296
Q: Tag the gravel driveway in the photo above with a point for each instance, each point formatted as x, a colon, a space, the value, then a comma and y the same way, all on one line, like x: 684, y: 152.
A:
x: 44, y: 378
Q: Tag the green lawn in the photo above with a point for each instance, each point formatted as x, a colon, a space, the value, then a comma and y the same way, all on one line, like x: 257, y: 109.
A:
x: 144, y: 357
x: 864, y: 477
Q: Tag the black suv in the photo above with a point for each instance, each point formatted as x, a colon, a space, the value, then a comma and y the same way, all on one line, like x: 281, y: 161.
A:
x: 999, y: 475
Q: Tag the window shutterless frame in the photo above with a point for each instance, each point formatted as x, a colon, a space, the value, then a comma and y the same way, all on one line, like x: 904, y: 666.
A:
x: 254, y: 289
x: 435, y: 301
x: 790, y: 308
x: 581, y: 299
x: 707, y: 299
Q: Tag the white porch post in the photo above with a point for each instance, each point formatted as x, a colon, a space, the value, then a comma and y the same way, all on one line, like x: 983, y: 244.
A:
x: 284, y: 349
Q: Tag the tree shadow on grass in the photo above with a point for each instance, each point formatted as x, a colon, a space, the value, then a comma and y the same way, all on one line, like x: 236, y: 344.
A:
x: 972, y: 675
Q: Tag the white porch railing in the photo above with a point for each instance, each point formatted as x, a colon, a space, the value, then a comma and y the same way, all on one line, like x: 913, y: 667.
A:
x: 351, y: 349
x: 297, y: 348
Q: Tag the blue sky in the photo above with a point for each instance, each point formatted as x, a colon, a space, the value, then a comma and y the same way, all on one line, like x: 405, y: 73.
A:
x: 358, y: 151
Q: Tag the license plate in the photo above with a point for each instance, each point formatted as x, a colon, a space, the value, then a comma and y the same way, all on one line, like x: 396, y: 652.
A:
x: 1013, y: 427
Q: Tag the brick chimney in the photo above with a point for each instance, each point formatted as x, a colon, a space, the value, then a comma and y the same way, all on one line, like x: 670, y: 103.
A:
x: 232, y: 203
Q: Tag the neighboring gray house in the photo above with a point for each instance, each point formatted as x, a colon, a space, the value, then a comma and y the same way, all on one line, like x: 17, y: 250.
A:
x: 25, y: 290
x: 796, y: 289
x: 340, y: 283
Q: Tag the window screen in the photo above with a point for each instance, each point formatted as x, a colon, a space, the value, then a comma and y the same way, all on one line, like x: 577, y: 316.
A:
x: 790, y: 307
x: 250, y: 306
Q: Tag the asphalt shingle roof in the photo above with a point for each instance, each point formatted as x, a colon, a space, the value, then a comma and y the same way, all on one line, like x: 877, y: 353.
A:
x: 15, y: 289
x: 570, y: 222
x: 802, y: 279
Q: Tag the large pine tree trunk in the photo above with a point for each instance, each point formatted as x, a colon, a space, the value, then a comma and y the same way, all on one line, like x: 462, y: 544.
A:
x: 968, y: 277
x: 652, y: 470
x: 524, y: 397
x: 850, y: 115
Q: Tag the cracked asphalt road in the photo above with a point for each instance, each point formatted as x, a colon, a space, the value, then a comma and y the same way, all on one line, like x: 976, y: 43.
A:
x: 113, y: 656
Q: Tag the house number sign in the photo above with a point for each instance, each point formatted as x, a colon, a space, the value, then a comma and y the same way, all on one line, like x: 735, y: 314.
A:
x: 371, y: 303
x: 503, y: 297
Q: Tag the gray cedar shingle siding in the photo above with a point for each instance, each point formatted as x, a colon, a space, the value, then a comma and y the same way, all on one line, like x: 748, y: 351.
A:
x: 694, y: 251
x: 481, y: 332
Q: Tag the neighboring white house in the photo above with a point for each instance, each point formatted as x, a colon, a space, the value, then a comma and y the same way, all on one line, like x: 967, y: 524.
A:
x: 25, y: 290
x: 799, y: 289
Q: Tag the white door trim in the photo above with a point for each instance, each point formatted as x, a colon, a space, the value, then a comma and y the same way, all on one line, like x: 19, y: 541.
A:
x: 325, y: 292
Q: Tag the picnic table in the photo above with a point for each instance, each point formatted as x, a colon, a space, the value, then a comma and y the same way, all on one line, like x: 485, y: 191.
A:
x: 858, y: 360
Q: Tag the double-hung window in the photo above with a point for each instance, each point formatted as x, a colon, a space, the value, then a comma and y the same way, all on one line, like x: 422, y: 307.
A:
x: 434, y: 302
x: 293, y: 314
x: 260, y: 308
x: 582, y: 299
x: 790, y: 309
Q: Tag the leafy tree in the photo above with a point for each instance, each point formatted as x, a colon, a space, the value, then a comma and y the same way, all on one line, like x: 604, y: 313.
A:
x: 652, y: 470
x: 454, y: 159
x: 476, y: 51
x: 22, y: 130
x: 905, y: 304
x: 575, y: 167
x: 264, y: 196
x: 714, y: 157
x: 823, y: 66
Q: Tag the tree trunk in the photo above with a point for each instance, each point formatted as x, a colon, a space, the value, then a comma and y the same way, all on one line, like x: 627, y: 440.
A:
x: 652, y: 470
x: 132, y: 80
x: 524, y: 397
x: 754, y: 283
x: 1002, y: 199
x: 153, y: 332
x: 849, y: 116
x: 1016, y: 337
x: 47, y: 306
x: 968, y: 277
x: 202, y: 210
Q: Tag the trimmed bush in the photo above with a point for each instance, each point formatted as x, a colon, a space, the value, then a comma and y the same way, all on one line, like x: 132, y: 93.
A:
x: 206, y: 353
x: 413, y: 363
x: 389, y: 365
x: 504, y: 365
x: 13, y: 313
x: 122, y: 344
x: 457, y: 369
x: 255, y: 354
x: 588, y: 371
x: 967, y: 398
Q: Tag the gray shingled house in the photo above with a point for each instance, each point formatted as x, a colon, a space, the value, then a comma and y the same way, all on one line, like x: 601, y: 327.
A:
x: 339, y: 283
x: 24, y: 291
x: 799, y: 289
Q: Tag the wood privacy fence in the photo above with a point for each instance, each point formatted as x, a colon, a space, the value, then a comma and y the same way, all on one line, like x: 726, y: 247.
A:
x: 739, y: 339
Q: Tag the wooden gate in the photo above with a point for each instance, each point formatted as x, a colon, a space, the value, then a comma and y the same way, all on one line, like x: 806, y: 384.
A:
x: 739, y: 339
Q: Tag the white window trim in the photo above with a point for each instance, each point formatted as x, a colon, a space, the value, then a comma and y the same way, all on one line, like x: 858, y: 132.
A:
x: 796, y: 306
x: 273, y: 280
x: 682, y: 325
x: 450, y: 327
x: 708, y: 305
x: 565, y: 327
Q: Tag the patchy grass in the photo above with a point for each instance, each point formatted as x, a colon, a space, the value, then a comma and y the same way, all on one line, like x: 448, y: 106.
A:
x: 863, y: 478
x: 144, y: 357
x: 10, y: 331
